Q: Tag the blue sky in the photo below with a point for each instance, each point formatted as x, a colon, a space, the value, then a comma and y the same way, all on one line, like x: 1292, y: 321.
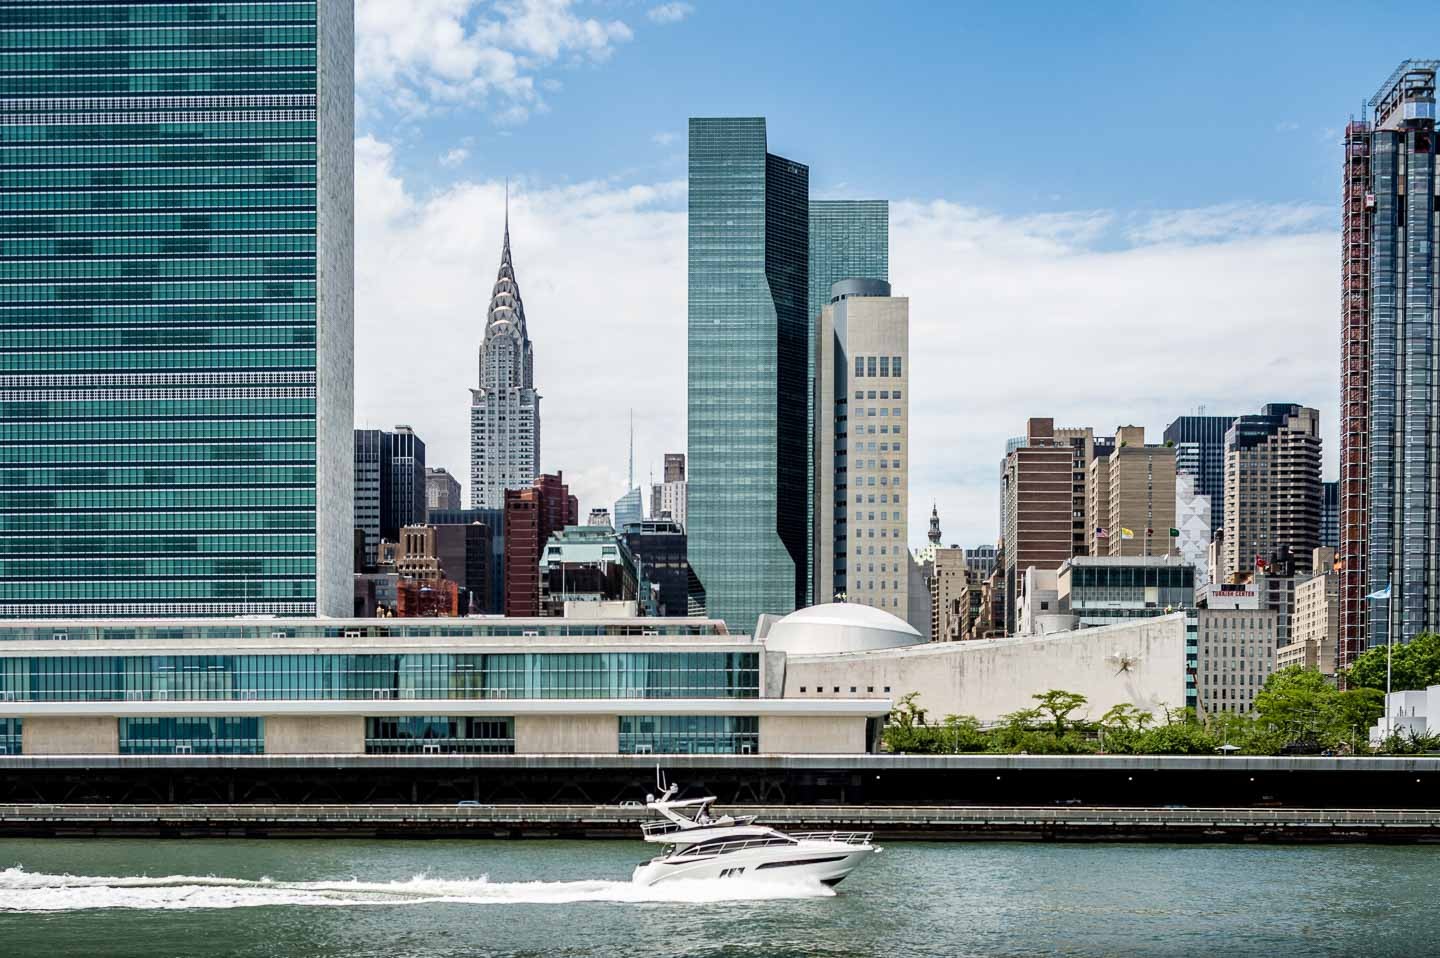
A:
x: 1166, y: 172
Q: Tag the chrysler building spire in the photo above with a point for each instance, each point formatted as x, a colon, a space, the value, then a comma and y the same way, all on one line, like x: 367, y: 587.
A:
x: 505, y: 409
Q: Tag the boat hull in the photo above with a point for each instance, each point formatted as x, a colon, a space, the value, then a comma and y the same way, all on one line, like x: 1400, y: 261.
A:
x: 826, y: 862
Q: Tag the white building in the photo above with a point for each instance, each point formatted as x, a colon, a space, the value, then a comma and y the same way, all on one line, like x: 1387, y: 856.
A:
x: 1413, y: 712
x: 1192, y: 520
x: 862, y: 463
x: 505, y: 410
x: 844, y: 650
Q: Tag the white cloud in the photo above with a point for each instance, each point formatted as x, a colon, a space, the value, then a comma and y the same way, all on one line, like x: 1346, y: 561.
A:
x: 1089, y: 317
x: 670, y: 12
x: 453, y: 158
x: 664, y: 138
x: 416, y: 55
x: 602, y: 272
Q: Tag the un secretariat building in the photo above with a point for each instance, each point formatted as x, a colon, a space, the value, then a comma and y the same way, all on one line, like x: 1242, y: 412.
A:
x: 176, y: 272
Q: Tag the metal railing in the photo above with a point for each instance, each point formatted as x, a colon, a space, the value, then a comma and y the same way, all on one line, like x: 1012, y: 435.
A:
x: 876, y: 817
x: 841, y: 838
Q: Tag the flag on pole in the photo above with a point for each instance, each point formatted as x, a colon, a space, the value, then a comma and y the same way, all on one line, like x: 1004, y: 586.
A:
x: 1174, y: 533
x: 1127, y: 533
x: 1381, y: 594
x: 1101, y: 532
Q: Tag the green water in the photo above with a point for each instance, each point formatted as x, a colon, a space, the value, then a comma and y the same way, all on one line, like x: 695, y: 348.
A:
x: 541, y: 898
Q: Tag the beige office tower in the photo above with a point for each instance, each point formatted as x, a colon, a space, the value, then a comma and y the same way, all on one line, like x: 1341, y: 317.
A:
x: 1273, y: 492
x: 949, y: 594
x: 1131, y: 498
x: 862, y: 417
x: 1037, y: 502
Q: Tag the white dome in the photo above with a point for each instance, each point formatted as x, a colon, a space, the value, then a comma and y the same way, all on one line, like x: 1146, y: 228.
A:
x: 840, y: 627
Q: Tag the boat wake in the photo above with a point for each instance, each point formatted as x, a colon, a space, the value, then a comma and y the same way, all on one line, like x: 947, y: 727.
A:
x: 25, y: 891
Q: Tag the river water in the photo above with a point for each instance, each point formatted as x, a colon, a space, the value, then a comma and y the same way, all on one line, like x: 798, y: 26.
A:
x: 355, y: 899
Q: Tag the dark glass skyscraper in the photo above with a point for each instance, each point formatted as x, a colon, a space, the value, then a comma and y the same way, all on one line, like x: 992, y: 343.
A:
x: 176, y: 256
x: 1200, y: 452
x: 1390, y: 328
x: 749, y: 399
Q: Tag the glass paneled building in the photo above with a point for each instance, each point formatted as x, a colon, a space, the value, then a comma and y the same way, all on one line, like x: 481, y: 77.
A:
x: 749, y: 398
x: 468, y: 734
x: 175, y: 307
x: 200, y: 735
x: 689, y: 734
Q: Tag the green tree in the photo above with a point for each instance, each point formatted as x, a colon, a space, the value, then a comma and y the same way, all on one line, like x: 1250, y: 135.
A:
x: 1124, y: 717
x: 962, y: 733
x: 1058, y: 704
x: 1416, y: 665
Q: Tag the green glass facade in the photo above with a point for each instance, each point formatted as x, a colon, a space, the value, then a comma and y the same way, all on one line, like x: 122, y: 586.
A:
x: 849, y: 239
x: 689, y: 734
x: 10, y: 735
x: 175, y: 330
x: 201, y: 735
x: 748, y: 510
x: 322, y: 677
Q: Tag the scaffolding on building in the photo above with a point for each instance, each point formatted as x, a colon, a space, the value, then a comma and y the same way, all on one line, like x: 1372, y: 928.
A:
x: 1358, y: 204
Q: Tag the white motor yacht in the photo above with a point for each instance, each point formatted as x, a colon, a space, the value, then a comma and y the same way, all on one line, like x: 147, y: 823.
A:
x: 701, y: 845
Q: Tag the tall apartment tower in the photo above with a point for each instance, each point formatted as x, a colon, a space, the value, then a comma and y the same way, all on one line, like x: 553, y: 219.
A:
x: 1199, y: 443
x: 374, y: 503
x: 849, y: 239
x: 667, y: 498
x: 1390, y: 341
x: 1038, y: 505
x: 1131, y: 496
x: 861, y: 446
x: 748, y: 405
x: 176, y: 404
x: 505, y: 410
x: 1272, y: 490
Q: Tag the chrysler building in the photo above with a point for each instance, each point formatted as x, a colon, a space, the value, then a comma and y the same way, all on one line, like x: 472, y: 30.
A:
x: 505, y: 410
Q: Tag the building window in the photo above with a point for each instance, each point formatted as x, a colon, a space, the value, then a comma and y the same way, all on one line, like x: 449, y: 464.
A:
x: 870, y: 366
x: 859, y: 369
x: 201, y: 735
x: 411, y: 734
x: 689, y: 734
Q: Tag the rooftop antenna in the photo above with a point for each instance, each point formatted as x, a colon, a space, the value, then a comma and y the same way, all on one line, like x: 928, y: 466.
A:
x: 630, y: 482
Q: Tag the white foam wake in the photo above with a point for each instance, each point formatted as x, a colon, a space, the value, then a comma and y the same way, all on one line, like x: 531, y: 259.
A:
x: 21, y: 890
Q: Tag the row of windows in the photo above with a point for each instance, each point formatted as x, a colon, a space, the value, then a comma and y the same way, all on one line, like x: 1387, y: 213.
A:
x: 248, y: 474
x: 689, y: 734
x: 124, y: 16
x: 156, y: 199
x: 517, y: 675
x: 149, y: 292
x: 156, y: 454
x: 180, y: 37
x: 16, y: 571
x: 873, y: 366
x: 195, y: 545
x: 158, y: 408
x: 186, y: 267
x: 222, y: 337
x: 216, y: 128
x: 411, y: 734
x: 121, y: 61
x: 169, y: 314
x: 202, y: 735
x: 278, y: 79
x: 23, y: 432
x: 269, y: 520
x: 10, y: 736
x: 152, y: 177
x: 100, y: 597
x: 167, y: 359
x: 156, y: 499
x: 182, y: 223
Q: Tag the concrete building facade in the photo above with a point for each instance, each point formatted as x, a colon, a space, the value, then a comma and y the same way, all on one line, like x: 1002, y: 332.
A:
x: 949, y: 595
x: 442, y: 490
x: 1131, y: 497
x: 1272, y: 489
x: 1038, y: 505
x: 1315, y: 626
x: 861, y: 443
x: 1236, y: 646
